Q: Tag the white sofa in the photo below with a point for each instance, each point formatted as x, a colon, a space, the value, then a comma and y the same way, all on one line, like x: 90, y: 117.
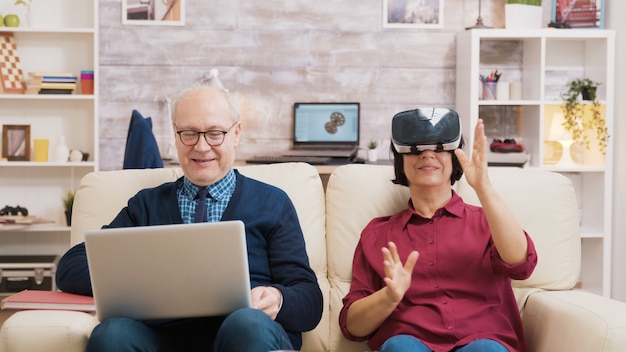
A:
x: 556, y: 318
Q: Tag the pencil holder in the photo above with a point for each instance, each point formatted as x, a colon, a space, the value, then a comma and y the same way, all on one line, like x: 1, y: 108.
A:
x: 490, y: 90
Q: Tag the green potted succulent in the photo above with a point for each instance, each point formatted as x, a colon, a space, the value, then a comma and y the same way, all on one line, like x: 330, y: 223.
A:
x: 68, y: 204
x: 574, y: 113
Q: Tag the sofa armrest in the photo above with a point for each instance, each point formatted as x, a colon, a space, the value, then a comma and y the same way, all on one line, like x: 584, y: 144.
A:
x: 574, y: 321
x: 47, y: 330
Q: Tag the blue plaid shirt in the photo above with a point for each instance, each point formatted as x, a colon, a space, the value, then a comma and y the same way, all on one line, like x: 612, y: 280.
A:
x: 219, y: 196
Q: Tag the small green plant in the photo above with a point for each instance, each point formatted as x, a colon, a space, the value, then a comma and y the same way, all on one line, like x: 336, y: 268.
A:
x: 525, y: 2
x: 573, y: 112
x: 372, y: 145
x: 68, y: 201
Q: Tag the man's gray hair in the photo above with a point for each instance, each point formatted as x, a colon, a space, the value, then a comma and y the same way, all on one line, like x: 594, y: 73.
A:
x: 211, y: 80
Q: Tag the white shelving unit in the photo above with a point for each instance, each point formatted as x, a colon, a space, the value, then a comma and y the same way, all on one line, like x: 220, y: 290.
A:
x: 60, y: 36
x: 543, y: 61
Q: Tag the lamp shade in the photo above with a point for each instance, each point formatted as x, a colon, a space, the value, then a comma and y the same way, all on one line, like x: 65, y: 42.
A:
x: 557, y: 130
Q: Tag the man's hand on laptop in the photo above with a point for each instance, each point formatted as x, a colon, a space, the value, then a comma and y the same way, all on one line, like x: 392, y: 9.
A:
x: 268, y: 299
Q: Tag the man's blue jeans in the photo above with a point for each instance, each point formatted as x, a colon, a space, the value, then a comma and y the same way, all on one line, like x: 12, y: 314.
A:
x: 406, y: 343
x: 244, y: 330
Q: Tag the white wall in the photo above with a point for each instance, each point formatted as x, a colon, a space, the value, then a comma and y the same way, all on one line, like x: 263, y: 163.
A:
x: 615, y: 20
x: 278, y: 51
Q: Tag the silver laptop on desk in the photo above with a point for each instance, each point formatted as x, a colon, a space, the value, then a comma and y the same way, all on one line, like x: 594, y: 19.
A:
x: 325, y: 130
x: 169, y: 271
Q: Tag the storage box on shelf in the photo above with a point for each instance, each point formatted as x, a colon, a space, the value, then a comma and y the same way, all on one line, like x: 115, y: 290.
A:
x: 59, y: 37
x: 540, y: 63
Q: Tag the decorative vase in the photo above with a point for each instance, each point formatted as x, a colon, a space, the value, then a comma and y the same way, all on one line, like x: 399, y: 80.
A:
x: 520, y: 16
x: 76, y: 156
x: 61, y: 152
x: 372, y: 155
x: 68, y: 218
x: 588, y: 92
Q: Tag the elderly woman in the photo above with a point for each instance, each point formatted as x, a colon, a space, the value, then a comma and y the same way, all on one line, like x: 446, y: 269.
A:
x: 437, y: 275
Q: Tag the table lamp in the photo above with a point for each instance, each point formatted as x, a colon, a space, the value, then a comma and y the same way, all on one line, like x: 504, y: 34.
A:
x: 559, y: 134
x: 479, y: 20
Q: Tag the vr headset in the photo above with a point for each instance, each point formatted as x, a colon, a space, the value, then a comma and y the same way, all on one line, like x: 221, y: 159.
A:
x: 415, y: 131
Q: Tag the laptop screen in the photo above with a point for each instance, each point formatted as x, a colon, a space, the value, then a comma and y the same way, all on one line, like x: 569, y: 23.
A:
x: 317, y: 124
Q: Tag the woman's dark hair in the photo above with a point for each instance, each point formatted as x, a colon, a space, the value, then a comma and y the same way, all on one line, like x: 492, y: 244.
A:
x: 398, y: 166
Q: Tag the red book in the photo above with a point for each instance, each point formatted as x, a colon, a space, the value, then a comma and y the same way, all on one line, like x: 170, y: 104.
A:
x: 55, y: 300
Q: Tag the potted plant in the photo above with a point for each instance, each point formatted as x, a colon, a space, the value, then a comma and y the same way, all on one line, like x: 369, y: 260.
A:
x: 68, y: 203
x: 372, y: 152
x: 574, y: 113
x: 523, y: 14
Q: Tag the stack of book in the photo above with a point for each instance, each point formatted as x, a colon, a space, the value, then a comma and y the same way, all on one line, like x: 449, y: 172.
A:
x: 51, y: 83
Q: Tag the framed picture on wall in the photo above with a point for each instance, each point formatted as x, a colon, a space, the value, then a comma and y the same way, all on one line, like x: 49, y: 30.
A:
x: 412, y: 13
x: 153, y: 12
x: 578, y: 14
x: 16, y: 142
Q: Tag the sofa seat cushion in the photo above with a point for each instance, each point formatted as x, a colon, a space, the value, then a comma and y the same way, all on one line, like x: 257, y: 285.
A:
x: 47, y: 330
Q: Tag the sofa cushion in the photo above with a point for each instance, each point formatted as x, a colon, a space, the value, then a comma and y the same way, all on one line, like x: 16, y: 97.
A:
x: 355, y: 194
x: 551, y: 220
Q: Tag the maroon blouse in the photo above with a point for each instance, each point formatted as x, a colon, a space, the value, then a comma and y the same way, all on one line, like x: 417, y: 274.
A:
x: 460, y: 290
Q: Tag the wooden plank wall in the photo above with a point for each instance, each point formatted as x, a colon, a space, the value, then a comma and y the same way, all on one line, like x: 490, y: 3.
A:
x: 271, y: 54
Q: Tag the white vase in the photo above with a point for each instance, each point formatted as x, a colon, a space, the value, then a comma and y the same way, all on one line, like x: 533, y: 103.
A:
x: 372, y: 155
x: 521, y: 16
x: 61, y: 152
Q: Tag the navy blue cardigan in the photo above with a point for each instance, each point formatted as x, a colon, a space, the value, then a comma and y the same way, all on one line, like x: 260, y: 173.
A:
x: 276, y: 248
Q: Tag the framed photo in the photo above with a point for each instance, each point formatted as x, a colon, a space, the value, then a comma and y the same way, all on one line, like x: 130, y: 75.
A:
x: 578, y: 14
x: 16, y: 142
x: 153, y: 12
x: 413, y: 14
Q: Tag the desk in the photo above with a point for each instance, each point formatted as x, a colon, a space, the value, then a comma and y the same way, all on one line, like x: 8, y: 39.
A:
x: 324, y: 170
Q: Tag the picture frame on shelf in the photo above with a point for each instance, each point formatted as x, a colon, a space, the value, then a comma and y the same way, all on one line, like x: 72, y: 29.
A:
x: 16, y: 142
x: 153, y: 13
x: 413, y: 14
x: 581, y: 14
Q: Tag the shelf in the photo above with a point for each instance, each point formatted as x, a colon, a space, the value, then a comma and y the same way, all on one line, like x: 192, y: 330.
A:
x: 57, y: 36
x: 82, y: 164
x: 509, y: 102
x: 591, y: 235
x: 543, y: 61
x: 43, y: 228
x: 574, y: 169
x: 51, y: 30
x: 47, y: 97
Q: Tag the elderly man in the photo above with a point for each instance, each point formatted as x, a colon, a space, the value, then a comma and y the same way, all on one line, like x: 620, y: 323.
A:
x: 286, y: 298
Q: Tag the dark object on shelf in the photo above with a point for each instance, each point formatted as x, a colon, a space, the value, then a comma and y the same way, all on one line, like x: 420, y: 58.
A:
x: 17, y: 210
x: 55, y: 91
x: 313, y: 160
x: 506, y: 146
x: 558, y: 25
x: 32, y: 272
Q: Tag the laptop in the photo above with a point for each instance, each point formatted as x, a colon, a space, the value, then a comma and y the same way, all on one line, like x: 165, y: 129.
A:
x: 325, y: 130
x: 169, y: 271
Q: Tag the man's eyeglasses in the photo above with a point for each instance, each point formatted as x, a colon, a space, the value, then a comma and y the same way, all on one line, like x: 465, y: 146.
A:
x: 213, y: 138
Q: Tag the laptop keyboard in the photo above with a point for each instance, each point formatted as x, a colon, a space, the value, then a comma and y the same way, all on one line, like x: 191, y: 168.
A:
x: 271, y: 159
